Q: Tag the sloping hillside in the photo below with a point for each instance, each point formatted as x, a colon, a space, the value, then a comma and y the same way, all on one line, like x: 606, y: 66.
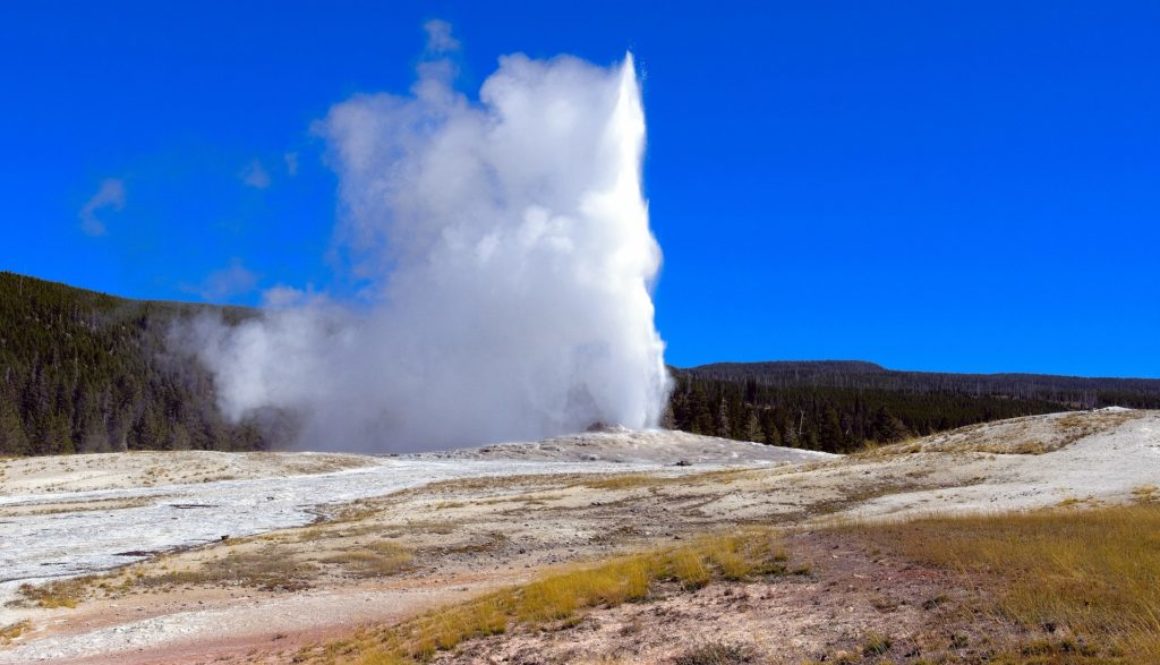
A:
x: 82, y: 372
x: 838, y: 406
x: 1077, y: 391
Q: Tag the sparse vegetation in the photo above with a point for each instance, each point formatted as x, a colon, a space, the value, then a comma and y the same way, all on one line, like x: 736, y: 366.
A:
x: 1146, y: 494
x: 717, y: 653
x: 1020, y: 439
x: 268, y: 569
x: 625, y: 482
x: 1082, y: 583
x: 378, y: 559
x: 631, y: 481
x: 269, y: 562
x: 76, y: 507
x: 60, y: 593
x: 558, y: 597
x: 13, y: 631
x: 876, y: 644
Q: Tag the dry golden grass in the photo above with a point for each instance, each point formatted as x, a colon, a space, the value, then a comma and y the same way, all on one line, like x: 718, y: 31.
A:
x: 1076, y: 426
x: 717, y: 653
x: 1090, y: 577
x: 1079, y: 503
x: 1146, y: 494
x: 631, y: 481
x: 560, y: 596
x: 689, y: 568
x: 873, y: 450
x: 378, y: 559
x: 268, y: 569
x: 485, y: 484
x: 61, y: 593
x: 76, y: 507
x: 1063, y: 432
x: 271, y: 568
x: 625, y: 482
x: 420, y: 527
x: 13, y: 631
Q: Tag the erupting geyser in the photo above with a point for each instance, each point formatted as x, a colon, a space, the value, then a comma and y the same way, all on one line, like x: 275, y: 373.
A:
x: 509, y: 259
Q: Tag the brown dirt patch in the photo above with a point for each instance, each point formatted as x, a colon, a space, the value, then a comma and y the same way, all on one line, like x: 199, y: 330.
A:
x: 854, y: 602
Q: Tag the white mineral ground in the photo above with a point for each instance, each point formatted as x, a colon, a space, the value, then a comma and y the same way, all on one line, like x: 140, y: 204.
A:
x: 68, y: 516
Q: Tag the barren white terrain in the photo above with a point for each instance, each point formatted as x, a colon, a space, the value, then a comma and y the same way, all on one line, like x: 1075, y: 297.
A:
x: 149, y: 524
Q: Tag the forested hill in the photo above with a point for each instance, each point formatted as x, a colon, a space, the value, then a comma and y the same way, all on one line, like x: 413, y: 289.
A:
x: 838, y: 406
x: 1081, y: 392
x: 82, y: 371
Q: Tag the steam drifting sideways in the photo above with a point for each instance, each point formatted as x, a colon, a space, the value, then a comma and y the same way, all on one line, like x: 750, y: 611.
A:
x: 507, y: 246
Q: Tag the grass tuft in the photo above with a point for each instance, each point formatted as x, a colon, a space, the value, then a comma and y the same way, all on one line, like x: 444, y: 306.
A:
x: 876, y: 644
x: 61, y: 593
x: 717, y: 653
x: 378, y: 559
x: 13, y: 631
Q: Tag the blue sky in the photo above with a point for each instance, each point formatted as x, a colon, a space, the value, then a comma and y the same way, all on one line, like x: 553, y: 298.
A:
x: 960, y: 186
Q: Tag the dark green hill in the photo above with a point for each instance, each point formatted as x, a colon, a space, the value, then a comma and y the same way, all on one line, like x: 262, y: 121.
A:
x: 1078, y: 391
x: 838, y: 406
x: 82, y: 371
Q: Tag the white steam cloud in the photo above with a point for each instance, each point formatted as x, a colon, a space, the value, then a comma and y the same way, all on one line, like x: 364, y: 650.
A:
x: 507, y: 246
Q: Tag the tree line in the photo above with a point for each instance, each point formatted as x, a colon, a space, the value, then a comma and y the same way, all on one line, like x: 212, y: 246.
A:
x: 827, y: 408
x: 86, y: 372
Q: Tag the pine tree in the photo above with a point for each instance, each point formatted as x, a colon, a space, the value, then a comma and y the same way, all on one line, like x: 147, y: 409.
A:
x: 722, y: 423
x: 13, y: 440
x: 753, y: 428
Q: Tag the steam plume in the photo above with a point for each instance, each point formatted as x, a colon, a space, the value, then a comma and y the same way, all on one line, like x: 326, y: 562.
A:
x: 507, y: 247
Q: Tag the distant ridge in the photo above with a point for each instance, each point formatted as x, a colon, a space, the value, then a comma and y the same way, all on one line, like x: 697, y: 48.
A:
x: 806, y: 365
x: 1075, y: 391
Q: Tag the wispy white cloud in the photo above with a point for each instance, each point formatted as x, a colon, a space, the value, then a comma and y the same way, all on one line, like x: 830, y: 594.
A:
x: 291, y: 159
x: 233, y: 280
x: 439, y: 37
x: 111, y: 194
x: 255, y: 175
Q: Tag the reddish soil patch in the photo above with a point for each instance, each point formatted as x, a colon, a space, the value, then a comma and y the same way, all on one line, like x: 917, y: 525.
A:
x: 851, y: 596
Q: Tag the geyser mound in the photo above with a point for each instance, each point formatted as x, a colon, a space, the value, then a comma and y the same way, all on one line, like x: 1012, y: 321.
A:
x: 506, y: 247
